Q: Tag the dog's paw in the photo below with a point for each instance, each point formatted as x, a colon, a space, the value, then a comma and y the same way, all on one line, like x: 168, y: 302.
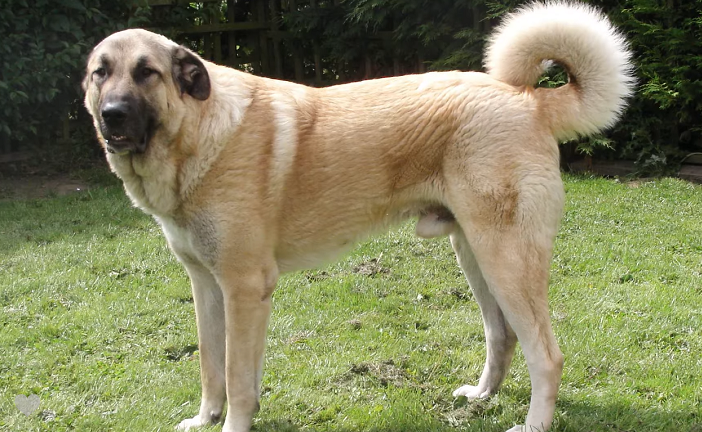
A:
x: 517, y: 428
x: 191, y: 423
x: 471, y: 392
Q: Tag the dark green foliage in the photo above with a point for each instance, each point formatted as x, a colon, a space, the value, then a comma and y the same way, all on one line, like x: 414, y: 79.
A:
x: 664, y: 121
x: 45, y: 43
x: 43, y: 50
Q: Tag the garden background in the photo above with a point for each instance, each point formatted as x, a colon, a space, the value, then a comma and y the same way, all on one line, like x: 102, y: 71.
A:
x: 96, y: 316
x: 323, y: 42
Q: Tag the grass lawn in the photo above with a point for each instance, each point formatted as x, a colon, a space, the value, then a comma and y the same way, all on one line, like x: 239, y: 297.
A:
x: 96, y: 318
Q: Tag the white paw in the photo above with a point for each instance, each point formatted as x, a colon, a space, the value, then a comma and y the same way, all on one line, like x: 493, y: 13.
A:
x: 522, y: 428
x: 471, y: 392
x: 190, y: 423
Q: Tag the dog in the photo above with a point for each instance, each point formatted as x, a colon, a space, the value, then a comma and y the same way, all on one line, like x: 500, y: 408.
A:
x: 251, y: 177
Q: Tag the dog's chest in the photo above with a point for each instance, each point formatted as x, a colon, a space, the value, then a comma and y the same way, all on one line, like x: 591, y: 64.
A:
x: 181, y: 240
x: 151, y: 184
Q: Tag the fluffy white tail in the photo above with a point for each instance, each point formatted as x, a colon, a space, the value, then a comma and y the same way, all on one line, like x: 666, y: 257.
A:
x: 584, y: 42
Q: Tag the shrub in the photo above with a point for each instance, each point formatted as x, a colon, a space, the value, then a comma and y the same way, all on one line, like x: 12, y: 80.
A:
x: 43, y: 52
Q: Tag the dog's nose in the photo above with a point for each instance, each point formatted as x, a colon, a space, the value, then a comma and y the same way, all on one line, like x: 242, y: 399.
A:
x: 114, y: 113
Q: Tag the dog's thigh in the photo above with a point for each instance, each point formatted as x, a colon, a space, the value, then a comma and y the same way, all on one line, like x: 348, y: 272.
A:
x: 516, y: 271
x: 209, y: 311
x: 499, y: 338
x: 510, y: 220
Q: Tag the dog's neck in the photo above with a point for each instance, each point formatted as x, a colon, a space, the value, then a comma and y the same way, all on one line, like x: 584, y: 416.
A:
x: 153, y: 193
x: 159, y: 180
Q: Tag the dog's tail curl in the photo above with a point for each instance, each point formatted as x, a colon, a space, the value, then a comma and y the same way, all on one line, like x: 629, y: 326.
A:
x: 580, y: 39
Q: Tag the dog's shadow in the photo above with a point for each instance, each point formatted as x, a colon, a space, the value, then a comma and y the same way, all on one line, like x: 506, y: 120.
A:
x: 571, y: 416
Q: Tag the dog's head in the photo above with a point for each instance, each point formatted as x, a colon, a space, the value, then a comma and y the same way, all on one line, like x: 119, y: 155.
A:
x: 134, y: 85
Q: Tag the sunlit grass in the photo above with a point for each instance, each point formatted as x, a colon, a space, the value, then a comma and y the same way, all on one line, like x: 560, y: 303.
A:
x: 96, y: 318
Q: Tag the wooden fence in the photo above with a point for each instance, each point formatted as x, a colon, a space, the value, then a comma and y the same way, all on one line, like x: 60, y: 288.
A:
x: 260, y: 44
x: 252, y: 35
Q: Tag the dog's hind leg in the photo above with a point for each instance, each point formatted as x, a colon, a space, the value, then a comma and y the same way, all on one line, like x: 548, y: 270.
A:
x: 499, y: 338
x: 515, y: 266
x: 510, y: 225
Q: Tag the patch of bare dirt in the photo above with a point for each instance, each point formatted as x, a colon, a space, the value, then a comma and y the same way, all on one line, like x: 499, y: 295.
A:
x: 371, y: 268
x: 386, y: 373
x: 39, y: 186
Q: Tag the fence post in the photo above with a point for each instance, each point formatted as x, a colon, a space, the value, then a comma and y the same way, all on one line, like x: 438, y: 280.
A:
x: 231, y: 35
x: 317, y: 55
x: 277, y: 57
x: 259, y: 12
x: 297, y: 60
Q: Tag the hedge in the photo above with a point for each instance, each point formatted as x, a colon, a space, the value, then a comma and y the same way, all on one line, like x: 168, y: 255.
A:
x: 45, y: 43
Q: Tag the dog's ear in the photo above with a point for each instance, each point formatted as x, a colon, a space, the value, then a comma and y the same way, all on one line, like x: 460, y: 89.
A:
x: 190, y: 74
x: 86, y: 81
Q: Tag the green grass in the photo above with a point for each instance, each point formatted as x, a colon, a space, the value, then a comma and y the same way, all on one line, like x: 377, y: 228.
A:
x: 97, y: 319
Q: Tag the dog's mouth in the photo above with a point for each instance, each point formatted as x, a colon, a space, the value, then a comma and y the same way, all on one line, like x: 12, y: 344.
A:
x: 122, y: 144
x: 119, y: 144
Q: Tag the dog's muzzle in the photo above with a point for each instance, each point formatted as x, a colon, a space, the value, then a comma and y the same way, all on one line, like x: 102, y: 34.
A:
x: 123, y: 129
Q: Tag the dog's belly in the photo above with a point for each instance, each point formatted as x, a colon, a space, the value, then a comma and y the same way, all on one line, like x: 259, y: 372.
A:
x: 294, y: 259
x: 332, y: 240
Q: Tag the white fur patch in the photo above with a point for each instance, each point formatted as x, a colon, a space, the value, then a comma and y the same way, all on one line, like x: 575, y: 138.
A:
x: 285, y: 139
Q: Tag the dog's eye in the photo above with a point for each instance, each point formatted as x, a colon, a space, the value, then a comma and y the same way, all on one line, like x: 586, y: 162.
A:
x: 147, y: 72
x: 100, y: 72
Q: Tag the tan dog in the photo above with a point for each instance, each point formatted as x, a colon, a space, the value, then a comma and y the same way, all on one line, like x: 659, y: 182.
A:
x: 251, y: 177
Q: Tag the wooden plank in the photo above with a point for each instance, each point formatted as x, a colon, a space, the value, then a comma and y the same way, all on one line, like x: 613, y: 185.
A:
x: 317, y: 54
x: 692, y: 173
x: 16, y: 156
x: 207, y: 46
x: 160, y: 2
x: 476, y: 18
x: 384, y: 35
x: 297, y: 59
x: 175, y: 2
x: 254, y: 41
x: 263, y: 38
x: 604, y: 168
x: 66, y: 128
x: 317, y: 63
x: 226, y: 27
x: 693, y: 159
x: 217, y: 47
x: 421, y: 66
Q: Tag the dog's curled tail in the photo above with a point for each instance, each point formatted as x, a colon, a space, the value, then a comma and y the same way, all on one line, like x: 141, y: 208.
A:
x: 580, y: 39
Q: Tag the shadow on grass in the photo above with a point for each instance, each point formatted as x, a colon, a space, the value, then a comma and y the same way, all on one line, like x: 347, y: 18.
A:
x: 99, y: 212
x: 571, y: 416
x: 600, y: 415
x: 399, y: 426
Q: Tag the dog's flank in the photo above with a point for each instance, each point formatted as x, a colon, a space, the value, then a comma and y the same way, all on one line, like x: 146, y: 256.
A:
x: 250, y: 177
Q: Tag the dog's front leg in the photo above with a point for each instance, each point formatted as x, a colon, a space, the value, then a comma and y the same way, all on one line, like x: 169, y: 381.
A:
x: 209, y: 311
x: 247, y: 304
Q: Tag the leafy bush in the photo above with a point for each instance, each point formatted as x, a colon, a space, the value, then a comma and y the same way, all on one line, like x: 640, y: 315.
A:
x: 664, y: 121
x: 43, y: 52
x: 45, y: 43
